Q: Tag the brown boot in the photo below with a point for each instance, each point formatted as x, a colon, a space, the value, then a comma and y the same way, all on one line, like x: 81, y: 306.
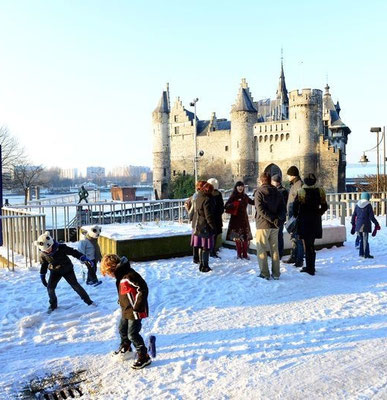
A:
x: 142, y: 361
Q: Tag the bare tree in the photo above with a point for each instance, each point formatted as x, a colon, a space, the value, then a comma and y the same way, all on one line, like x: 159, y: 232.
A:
x: 12, y: 153
x: 25, y: 176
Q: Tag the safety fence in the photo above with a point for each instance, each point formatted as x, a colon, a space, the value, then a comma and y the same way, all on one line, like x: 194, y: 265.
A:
x: 23, y: 224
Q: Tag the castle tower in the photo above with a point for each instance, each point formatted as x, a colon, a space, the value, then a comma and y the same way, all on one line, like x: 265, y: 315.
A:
x: 305, y: 114
x: 282, y: 109
x: 243, y: 117
x: 161, y: 147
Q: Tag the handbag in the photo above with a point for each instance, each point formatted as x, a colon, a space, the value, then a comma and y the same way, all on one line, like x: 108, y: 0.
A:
x: 233, y: 207
x: 291, y: 225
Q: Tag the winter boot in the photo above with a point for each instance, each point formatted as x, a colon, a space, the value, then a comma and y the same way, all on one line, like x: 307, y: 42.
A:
x: 245, y: 246
x: 124, y: 348
x: 204, y: 258
x: 142, y: 361
x: 51, y: 308
x: 196, y: 255
x: 238, y: 244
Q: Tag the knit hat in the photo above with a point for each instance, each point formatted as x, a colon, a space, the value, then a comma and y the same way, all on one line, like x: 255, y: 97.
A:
x: 365, y: 196
x: 293, y: 171
x: 310, y: 179
x: 214, y: 182
x: 276, y: 178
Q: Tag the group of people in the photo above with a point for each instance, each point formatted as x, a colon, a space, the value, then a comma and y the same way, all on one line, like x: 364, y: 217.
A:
x: 274, y: 204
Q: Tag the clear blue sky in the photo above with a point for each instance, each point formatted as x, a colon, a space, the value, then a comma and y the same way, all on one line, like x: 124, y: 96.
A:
x: 80, y: 78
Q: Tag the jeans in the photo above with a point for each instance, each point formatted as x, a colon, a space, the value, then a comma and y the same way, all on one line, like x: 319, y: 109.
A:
x: 130, y: 333
x: 71, y: 279
x: 297, y: 251
x: 364, y: 247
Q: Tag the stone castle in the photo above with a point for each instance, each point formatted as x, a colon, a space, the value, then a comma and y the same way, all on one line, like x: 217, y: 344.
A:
x: 301, y: 128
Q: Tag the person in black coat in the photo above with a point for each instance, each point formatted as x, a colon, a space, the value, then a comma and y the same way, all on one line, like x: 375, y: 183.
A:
x: 203, y: 225
x: 276, y: 181
x: 218, y: 209
x: 55, y: 258
x: 309, y: 205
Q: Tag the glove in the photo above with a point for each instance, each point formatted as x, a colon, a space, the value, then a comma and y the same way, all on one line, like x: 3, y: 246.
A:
x: 376, y: 229
x: 86, y: 260
x: 43, y: 279
x: 353, y: 230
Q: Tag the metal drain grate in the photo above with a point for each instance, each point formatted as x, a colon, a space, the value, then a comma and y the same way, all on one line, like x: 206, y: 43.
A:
x: 61, y: 394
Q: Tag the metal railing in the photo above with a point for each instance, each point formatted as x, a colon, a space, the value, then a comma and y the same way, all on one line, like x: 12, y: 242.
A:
x: 20, y: 229
x: 94, y: 196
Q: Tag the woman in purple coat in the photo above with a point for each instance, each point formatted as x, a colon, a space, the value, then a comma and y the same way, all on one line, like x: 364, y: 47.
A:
x: 361, y: 220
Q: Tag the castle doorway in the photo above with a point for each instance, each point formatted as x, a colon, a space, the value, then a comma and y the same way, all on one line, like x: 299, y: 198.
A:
x: 273, y: 169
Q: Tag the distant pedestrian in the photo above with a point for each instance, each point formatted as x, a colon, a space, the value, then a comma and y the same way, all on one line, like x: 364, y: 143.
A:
x: 276, y: 181
x: 239, y: 226
x: 309, y: 205
x: 189, y: 206
x: 83, y: 194
x: 361, y: 220
x: 133, y: 300
x: 270, y: 215
x: 203, y: 225
x: 218, y: 210
x: 297, y: 250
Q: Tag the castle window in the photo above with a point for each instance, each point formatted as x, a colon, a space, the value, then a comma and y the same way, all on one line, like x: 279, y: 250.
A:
x: 282, y: 127
x: 271, y: 128
x: 175, y: 118
x: 271, y: 138
x: 276, y: 127
x: 260, y: 138
x: 183, y: 172
x: 225, y: 148
x: 282, y: 137
x: 176, y: 130
x: 174, y: 173
x: 165, y: 172
x: 265, y: 138
x: 276, y: 137
x: 213, y: 128
x: 239, y: 168
x: 271, y: 148
x: 287, y: 136
x: 295, y: 115
x: 260, y: 129
x: 225, y: 161
x: 265, y: 128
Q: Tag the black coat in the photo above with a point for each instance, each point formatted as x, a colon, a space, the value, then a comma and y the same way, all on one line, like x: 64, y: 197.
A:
x: 132, y: 291
x: 203, y: 221
x: 309, y: 205
x: 270, y: 207
x: 58, y: 260
x: 217, y: 204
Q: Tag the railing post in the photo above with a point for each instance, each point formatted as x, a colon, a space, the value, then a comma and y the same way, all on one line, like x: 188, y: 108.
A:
x: 343, y: 212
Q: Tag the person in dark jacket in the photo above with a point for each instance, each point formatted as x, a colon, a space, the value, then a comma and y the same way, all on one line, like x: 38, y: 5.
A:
x: 276, y: 181
x: 203, y: 225
x: 239, y: 227
x: 270, y: 215
x: 133, y: 300
x: 297, y: 251
x: 309, y: 205
x: 55, y: 258
x: 361, y: 220
x: 218, y: 209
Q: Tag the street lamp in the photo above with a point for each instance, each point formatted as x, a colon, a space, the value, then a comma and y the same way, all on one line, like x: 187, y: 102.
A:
x: 364, y: 159
x: 193, y: 104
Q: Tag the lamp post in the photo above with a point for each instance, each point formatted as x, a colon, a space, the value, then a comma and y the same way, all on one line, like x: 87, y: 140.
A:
x: 193, y: 104
x: 377, y: 130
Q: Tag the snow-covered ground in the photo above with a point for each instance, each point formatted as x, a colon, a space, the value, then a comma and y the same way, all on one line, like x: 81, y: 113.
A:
x: 222, y: 335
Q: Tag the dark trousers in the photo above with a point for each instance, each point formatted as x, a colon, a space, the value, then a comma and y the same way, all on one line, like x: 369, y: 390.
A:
x: 364, y: 246
x: 297, y: 251
x: 281, y: 241
x: 130, y: 333
x: 92, y: 273
x: 71, y: 279
x: 213, y: 249
x: 310, y: 254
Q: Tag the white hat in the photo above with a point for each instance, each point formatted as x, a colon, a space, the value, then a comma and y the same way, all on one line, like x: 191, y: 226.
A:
x: 214, y: 182
x: 44, y: 242
x: 94, y: 231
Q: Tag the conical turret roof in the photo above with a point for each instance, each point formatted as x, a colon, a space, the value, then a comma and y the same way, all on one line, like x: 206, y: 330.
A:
x: 243, y: 101
x: 163, y: 104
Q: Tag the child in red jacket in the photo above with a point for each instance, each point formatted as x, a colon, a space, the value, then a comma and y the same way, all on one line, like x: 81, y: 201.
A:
x: 133, y: 299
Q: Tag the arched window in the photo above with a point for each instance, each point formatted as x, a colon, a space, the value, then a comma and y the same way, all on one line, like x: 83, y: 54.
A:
x: 276, y: 137
x: 271, y: 148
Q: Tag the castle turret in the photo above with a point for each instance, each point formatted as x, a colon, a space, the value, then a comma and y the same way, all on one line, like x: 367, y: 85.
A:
x: 161, y: 147
x: 305, y: 113
x: 282, y: 99
x: 243, y: 117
